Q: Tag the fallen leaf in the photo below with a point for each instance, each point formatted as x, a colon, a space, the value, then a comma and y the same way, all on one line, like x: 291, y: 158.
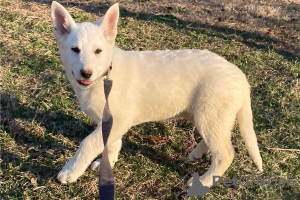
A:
x: 154, y: 139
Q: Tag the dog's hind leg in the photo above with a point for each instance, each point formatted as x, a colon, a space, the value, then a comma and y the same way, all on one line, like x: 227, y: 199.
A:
x: 215, y: 129
x: 113, y: 153
x: 200, y: 150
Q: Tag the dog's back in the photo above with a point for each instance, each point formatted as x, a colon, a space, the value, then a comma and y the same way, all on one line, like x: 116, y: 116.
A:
x: 165, y: 84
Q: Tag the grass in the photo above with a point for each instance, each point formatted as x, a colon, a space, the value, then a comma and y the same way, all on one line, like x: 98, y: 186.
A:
x: 41, y: 125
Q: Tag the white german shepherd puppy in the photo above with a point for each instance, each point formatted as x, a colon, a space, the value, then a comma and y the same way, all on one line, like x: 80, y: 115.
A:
x: 196, y: 85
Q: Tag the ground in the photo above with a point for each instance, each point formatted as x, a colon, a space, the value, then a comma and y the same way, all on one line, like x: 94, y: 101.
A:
x: 42, y: 126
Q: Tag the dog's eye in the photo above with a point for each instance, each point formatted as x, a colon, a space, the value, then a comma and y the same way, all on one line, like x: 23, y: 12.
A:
x: 97, y: 51
x: 75, y: 49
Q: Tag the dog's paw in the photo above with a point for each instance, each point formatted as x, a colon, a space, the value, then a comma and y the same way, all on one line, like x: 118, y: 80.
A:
x: 189, y: 183
x: 199, y: 151
x: 197, y: 154
x: 95, y: 165
x: 194, y: 155
x: 70, y: 172
x: 67, y: 176
x: 204, y: 183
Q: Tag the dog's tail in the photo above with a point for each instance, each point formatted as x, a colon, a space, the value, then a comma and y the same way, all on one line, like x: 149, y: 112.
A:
x: 244, y: 118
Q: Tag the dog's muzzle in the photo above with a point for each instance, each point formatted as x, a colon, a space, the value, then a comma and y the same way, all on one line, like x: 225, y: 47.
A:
x: 83, y: 82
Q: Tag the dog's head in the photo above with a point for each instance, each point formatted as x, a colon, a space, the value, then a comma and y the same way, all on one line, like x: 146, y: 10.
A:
x: 86, y: 48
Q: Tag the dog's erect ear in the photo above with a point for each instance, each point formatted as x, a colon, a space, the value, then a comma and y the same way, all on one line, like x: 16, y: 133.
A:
x: 61, y: 19
x: 110, y: 22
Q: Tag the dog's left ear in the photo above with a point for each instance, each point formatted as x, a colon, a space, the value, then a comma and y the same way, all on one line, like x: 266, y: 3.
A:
x: 110, y: 22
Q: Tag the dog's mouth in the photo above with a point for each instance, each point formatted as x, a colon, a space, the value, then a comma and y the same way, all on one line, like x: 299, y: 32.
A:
x: 84, y: 82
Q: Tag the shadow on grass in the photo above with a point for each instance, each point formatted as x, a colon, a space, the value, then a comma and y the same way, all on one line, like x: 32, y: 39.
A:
x: 252, y: 39
x: 54, y: 122
x: 39, y: 147
x: 40, y: 151
x: 181, y: 165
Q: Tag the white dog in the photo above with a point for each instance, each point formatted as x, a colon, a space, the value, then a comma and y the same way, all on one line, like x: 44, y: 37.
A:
x: 196, y: 85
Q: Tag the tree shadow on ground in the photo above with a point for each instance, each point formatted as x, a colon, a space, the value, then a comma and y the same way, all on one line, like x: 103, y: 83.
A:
x: 39, y: 150
x: 35, y: 135
x: 253, y: 39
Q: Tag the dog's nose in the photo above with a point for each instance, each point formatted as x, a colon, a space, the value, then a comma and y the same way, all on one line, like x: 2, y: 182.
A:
x: 86, y: 73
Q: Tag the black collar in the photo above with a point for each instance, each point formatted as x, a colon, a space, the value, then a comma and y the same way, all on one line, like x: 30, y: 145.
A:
x: 108, y: 71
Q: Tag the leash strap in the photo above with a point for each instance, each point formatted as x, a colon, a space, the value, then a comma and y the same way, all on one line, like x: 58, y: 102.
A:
x: 106, y: 176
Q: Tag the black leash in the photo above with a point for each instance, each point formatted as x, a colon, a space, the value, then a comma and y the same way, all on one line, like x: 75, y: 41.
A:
x: 106, y: 176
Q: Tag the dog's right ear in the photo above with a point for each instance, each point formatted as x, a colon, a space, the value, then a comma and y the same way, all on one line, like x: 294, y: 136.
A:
x: 61, y: 19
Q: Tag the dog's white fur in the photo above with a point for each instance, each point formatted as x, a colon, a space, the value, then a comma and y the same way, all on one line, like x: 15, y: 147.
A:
x: 196, y: 85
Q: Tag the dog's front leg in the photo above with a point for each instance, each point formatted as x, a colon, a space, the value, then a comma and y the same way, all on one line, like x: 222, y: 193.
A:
x: 113, y: 153
x: 88, y: 150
